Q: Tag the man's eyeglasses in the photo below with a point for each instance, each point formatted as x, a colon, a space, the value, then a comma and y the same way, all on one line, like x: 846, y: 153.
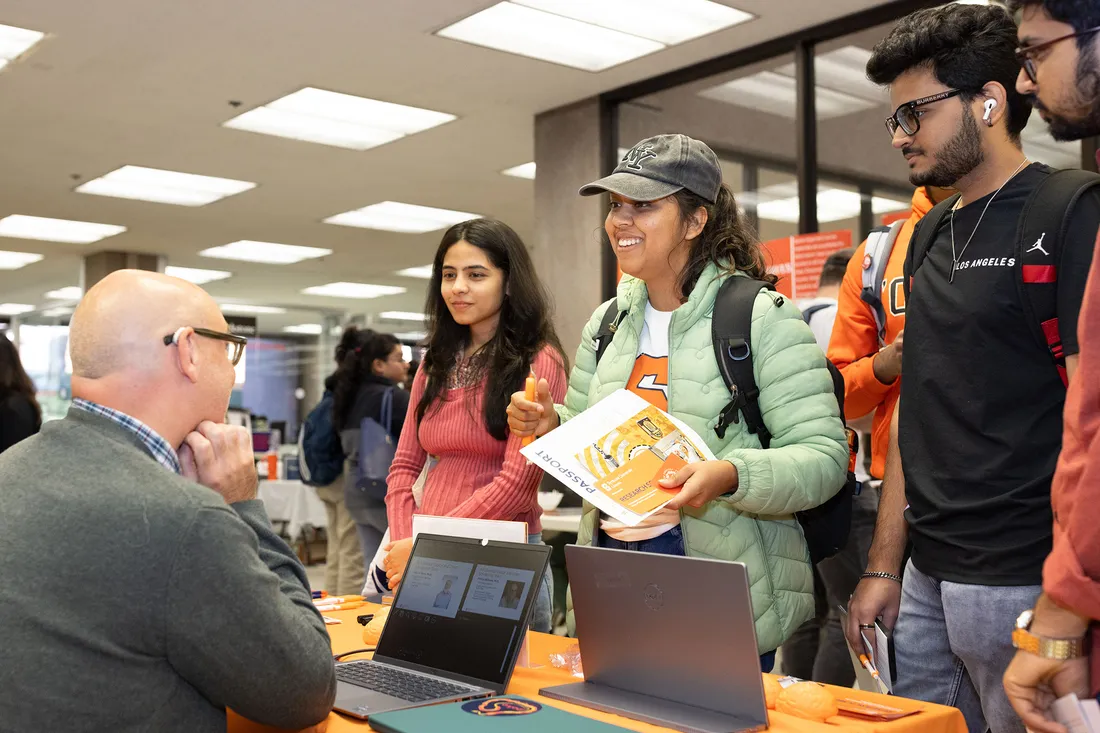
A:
x: 234, y: 346
x: 1026, y: 54
x: 907, y: 117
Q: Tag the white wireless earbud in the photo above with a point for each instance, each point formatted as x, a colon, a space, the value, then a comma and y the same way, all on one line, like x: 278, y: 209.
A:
x: 989, y: 105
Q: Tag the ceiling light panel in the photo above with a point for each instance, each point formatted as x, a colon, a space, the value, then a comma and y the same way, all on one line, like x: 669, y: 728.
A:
x: 196, y: 275
x: 527, y: 170
x: 550, y: 37
x: 269, y: 253
x: 15, y: 260
x: 14, y: 42
x: 402, y: 316
x: 353, y: 290
x: 779, y: 202
x: 248, y: 309
x: 306, y: 329
x: 165, y: 187
x: 843, y: 70
x: 679, y: 20
x: 73, y: 292
x: 768, y: 91
x: 15, y: 309
x: 341, y: 120
x: 56, y: 230
x: 392, y: 216
x: 411, y: 336
x: 424, y: 272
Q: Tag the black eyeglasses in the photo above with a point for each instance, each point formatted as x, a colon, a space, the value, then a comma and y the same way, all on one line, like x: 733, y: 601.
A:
x: 907, y: 117
x: 1025, y: 54
x: 234, y: 347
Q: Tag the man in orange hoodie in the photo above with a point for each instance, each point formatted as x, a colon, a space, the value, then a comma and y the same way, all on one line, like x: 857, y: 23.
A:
x: 871, y: 365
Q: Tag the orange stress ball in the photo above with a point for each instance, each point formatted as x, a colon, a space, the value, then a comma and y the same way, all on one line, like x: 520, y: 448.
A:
x: 771, y: 690
x: 807, y: 700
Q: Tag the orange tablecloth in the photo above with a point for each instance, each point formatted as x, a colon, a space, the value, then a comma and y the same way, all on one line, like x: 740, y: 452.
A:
x: 528, y: 682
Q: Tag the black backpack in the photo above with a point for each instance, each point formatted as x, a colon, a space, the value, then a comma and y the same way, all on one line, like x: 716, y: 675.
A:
x: 826, y: 527
x: 1040, y: 232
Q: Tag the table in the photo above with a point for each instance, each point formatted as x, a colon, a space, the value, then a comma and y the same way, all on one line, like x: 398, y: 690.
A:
x: 562, y: 520
x: 528, y: 681
x: 294, y: 503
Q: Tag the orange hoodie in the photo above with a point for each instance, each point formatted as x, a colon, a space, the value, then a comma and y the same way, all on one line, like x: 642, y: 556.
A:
x: 854, y: 342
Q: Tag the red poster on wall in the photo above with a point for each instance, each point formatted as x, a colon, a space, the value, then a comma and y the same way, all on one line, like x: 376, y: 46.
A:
x: 798, y: 260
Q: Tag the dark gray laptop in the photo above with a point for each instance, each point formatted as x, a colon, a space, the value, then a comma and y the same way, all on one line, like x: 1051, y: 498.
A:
x: 666, y: 640
x: 455, y: 630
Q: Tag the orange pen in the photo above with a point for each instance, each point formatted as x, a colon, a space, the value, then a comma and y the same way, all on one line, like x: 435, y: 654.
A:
x: 530, y: 393
x: 341, y: 606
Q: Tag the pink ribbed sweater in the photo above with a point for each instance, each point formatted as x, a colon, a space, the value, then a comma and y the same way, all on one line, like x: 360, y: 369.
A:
x: 475, y: 476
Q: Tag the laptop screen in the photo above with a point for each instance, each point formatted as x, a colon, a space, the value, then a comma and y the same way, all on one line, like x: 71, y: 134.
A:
x: 463, y: 606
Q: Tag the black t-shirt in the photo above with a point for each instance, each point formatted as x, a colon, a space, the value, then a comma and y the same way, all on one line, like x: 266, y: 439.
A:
x: 981, y: 420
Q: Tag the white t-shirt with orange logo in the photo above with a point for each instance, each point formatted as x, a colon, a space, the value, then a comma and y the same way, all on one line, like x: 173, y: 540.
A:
x: 649, y: 380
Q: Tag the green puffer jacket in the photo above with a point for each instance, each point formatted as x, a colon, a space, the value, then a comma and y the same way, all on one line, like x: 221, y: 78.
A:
x: 805, y: 465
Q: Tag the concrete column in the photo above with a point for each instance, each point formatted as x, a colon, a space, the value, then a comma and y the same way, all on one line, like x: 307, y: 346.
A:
x: 569, y: 241
x: 101, y: 264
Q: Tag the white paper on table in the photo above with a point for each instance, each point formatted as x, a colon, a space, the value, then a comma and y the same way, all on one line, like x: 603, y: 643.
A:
x: 475, y: 529
x: 556, y: 451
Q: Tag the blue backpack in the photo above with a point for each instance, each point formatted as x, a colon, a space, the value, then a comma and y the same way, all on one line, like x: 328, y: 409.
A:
x: 319, y: 446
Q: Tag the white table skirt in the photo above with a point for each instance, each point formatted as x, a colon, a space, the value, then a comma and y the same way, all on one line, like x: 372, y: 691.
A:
x: 294, y: 503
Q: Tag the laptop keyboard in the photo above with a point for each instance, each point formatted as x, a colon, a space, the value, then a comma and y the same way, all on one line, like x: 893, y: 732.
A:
x: 397, y: 682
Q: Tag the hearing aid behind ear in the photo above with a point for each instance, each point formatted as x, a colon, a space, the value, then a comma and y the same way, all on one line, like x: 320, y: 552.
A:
x: 989, y: 105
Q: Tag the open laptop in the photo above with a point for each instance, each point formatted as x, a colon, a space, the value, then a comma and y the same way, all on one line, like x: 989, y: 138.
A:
x: 457, y: 625
x: 666, y: 640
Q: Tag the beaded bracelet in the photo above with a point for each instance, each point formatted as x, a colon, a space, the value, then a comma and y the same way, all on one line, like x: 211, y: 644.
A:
x: 887, y: 576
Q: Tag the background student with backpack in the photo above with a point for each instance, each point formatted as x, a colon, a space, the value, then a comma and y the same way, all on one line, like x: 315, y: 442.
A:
x: 489, y: 325
x: 322, y: 467
x: 995, y: 276
x: 369, y: 412
x: 683, y: 246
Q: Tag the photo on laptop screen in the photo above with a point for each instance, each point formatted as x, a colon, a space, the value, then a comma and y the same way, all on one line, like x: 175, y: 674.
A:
x: 463, y: 606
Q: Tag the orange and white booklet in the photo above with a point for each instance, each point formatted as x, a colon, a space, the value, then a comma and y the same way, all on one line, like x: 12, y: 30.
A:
x: 614, y: 453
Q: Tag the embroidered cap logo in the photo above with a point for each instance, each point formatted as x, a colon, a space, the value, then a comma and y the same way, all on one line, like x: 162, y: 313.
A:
x: 636, y: 155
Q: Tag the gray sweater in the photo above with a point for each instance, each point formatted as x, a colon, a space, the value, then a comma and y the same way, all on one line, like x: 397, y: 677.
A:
x: 132, y: 599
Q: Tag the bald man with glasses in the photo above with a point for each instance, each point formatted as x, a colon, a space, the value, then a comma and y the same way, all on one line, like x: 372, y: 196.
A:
x: 144, y: 588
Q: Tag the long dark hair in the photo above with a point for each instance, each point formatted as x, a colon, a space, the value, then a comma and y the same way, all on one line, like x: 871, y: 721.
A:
x: 726, y: 241
x: 13, y: 378
x: 357, y: 351
x: 525, y: 326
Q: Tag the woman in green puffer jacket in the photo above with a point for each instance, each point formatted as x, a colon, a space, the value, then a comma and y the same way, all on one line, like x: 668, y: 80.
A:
x: 677, y: 234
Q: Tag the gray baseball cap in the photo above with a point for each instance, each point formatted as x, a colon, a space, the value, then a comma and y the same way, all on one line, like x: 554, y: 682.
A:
x: 660, y: 166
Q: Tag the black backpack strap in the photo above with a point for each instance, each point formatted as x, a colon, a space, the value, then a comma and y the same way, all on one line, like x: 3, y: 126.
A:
x: 1040, y: 237
x: 922, y: 239
x: 731, y: 336
x: 809, y: 313
x: 612, y: 317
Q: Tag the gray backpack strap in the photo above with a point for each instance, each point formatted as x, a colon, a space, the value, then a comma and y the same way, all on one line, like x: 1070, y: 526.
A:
x: 876, y: 255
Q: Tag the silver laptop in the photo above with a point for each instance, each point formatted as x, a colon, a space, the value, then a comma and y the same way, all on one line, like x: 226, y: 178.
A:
x: 666, y: 640
x: 457, y: 625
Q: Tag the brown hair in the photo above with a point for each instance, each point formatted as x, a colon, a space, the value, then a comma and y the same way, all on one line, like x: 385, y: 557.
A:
x: 13, y: 378
x: 727, y: 241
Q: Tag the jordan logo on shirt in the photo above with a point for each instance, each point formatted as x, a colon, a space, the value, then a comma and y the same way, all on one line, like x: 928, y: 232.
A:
x: 1039, y: 245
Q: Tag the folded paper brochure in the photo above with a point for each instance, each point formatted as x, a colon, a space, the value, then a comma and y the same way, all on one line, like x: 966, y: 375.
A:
x: 613, y: 454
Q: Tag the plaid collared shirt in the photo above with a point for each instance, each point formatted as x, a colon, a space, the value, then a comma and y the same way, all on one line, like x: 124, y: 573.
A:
x: 157, y: 446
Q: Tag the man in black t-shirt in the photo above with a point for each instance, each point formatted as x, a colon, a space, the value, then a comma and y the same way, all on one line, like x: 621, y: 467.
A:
x: 980, y: 427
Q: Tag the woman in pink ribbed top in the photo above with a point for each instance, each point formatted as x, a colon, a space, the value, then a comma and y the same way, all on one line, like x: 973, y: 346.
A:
x: 489, y: 326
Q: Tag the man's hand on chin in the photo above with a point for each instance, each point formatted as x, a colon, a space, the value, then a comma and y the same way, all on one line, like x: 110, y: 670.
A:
x: 220, y: 457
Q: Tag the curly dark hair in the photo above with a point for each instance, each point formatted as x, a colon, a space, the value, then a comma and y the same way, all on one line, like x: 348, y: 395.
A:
x: 1081, y: 14
x: 964, y: 46
x: 525, y: 325
x: 727, y: 240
